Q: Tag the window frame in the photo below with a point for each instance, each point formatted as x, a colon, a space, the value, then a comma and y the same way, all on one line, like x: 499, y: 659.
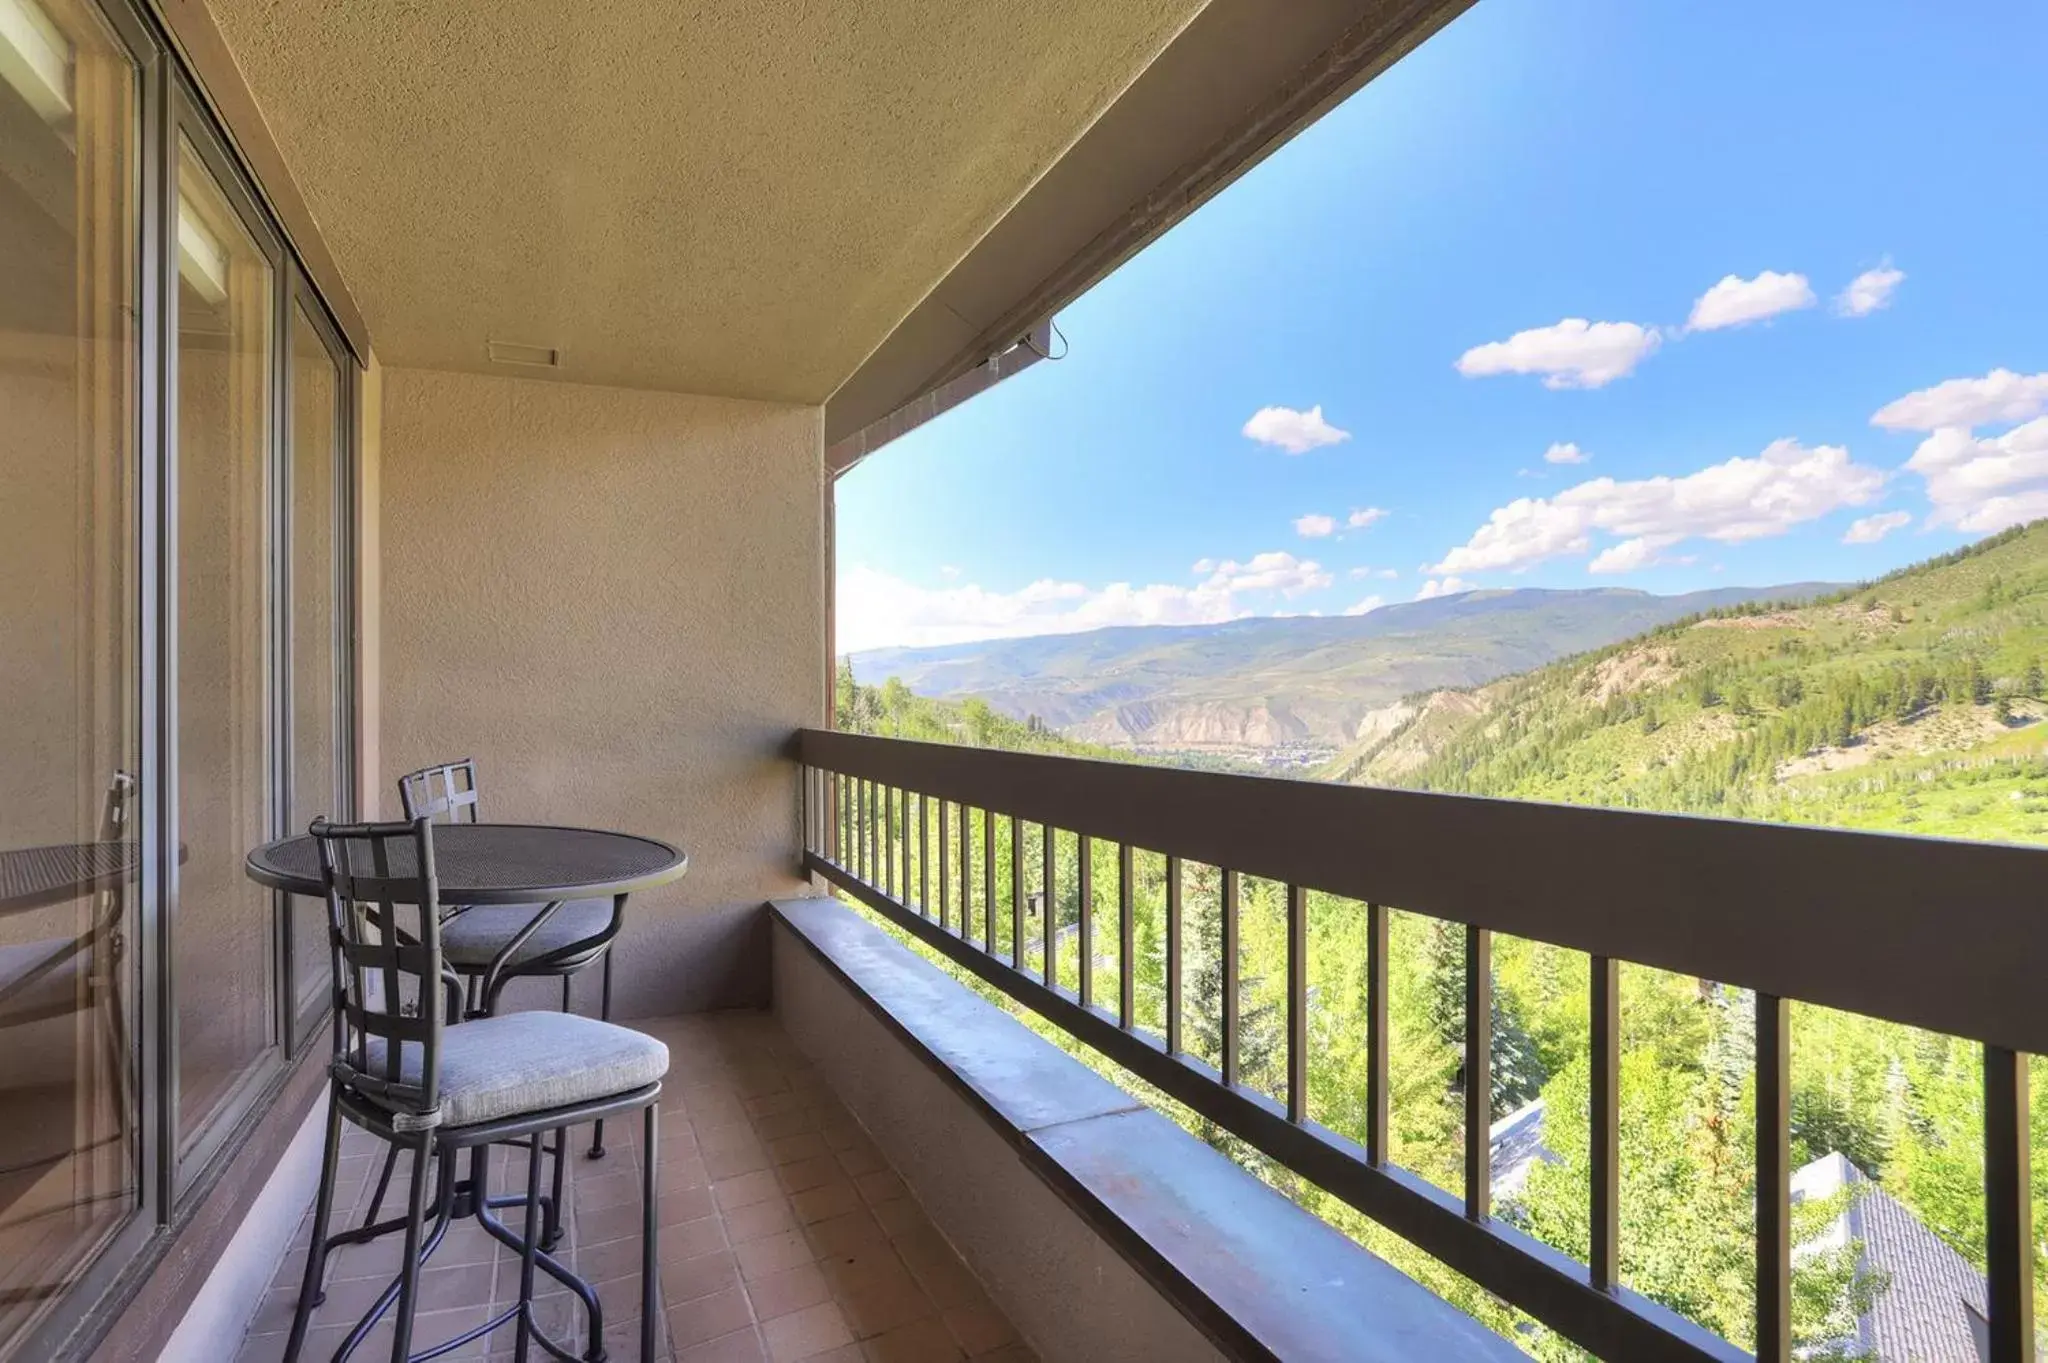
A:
x: 169, y: 1189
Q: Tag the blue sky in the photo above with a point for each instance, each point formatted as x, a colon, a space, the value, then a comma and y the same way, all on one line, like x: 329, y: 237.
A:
x: 1406, y: 264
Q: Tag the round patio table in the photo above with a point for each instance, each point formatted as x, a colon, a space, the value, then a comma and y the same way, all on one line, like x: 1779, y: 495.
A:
x: 499, y: 863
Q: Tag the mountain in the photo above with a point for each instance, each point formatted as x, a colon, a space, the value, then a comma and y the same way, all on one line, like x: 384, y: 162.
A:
x: 1284, y: 688
x: 1912, y: 703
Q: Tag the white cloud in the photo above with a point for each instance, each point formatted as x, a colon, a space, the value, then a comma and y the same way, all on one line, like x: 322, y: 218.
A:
x: 1203, y: 567
x: 1871, y: 529
x: 948, y: 571
x: 1565, y: 452
x: 1385, y: 574
x: 1295, y: 432
x: 1736, y: 302
x: 1869, y: 291
x: 1999, y: 396
x: 1742, y: 499
x: 1449, y: 586
x: 1314, y: 526
x: 877, y: 609
x: 1985, y: 483
x: 1367, y: 606
x: 1641, y: 552
x: 1574, y: 353
x: 1364, y: 518
x: 1278, y: 571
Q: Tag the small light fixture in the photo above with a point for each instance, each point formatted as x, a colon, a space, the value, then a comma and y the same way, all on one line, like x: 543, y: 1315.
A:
x: 512, y: 352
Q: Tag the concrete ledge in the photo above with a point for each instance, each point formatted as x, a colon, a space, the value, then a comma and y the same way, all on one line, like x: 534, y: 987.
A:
x: 1257, y: 1276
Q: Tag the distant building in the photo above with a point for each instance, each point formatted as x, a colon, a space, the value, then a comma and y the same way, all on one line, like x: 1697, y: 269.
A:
x: 1934, y: 1310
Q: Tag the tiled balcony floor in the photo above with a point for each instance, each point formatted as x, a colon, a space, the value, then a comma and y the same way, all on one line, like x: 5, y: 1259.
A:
x: 785, y: 1234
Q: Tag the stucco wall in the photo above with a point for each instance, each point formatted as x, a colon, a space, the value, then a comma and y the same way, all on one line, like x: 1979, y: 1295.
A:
x: 614, y: 601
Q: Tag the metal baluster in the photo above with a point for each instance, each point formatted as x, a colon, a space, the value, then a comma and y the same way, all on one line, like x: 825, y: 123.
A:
x: 924, y: 858
x: 890, y: 853
x: 1050, y: 926
x: 2008, y: 1206
x: 966, y: 876
x: 988, y: 876
x: 1478, y: 1072
x: 1085, y: 933
x: 1376, y: 1034
x: 944, y: 843
x: 1016, y: 892
x: 1229, y: 892
x: 1173, y: 955
x: 1127, y: 939
x: 903, y: 851
x: 1773, y: 1179
x: 1605, y: 1266
x: 1297, y: 1004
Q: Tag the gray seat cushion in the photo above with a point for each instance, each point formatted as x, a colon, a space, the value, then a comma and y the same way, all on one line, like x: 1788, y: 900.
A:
x: 531, y: 1062
x: 473, y: 938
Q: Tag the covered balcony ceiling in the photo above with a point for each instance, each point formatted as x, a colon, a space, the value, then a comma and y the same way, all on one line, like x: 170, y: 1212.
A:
x: 740, y: 199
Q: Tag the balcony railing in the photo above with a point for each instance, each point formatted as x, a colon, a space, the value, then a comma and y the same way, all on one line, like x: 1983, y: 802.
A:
x: 1931, y: 933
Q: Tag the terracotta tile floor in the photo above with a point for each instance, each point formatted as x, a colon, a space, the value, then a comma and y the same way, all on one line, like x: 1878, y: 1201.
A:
x: 784, y: 1234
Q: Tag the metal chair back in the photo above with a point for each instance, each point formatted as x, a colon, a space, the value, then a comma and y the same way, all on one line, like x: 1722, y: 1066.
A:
x: 383, y: 915
x: 446, y: 792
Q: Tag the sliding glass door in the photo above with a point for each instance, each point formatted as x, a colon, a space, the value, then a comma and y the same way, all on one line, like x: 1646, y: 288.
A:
x: 69, y: 228
x: 223, y: 972
x: 175, y: 653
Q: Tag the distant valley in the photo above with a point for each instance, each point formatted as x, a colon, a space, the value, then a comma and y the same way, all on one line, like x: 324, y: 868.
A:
x: 1285, y: 691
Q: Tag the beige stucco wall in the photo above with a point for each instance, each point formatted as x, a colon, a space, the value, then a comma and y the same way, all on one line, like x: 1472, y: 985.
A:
x: 614, y: 601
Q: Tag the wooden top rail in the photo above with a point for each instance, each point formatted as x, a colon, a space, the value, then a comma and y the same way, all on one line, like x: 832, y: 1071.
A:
x: 1932, y: 932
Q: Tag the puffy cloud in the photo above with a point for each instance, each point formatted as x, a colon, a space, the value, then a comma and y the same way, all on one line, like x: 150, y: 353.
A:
x: 1385, y: 574
x: 1869, y: 291
x: 1203, y: 567
x: 1736, y: 302
x: 1985, y: 483
x: 1871, y: 529
x: 877, y: 609
x: 1742, y: 499
x: 1999, y: 396
x: 1271, y: 572
x: 1315, y: 527
x: 1364, y: 518
x: 1565, y: 452
x: 1575, y: 353
x: 1292, y: 431
x: 1449, y: 586
x: 1367, y: 606
x: 1629, y: 555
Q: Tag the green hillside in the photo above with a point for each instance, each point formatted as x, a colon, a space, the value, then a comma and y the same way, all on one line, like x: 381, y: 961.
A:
x: 1277, y: 690
x: 1910, y: 704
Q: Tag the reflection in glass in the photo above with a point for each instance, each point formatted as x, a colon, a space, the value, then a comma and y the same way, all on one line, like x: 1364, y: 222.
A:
x: 315, y: 413
x: 68, y: 691
x: 221, y: 939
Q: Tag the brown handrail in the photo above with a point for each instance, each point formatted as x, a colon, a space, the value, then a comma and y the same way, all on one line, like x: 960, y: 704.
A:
x: 1933, y: 932
x: 1929, y: 932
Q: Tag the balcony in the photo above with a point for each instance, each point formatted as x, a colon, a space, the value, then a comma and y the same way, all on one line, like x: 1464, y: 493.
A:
x: 888, y: 1166
x: 385, y: 383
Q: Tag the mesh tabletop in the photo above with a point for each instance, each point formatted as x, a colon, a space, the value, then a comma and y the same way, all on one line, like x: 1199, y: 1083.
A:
x: 499, y: 863
x: 33, y: 876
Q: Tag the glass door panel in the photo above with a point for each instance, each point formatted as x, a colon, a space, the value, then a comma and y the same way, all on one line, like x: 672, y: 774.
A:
x: 222, y: 935
x: 316, y: 766
x: 68, y: 655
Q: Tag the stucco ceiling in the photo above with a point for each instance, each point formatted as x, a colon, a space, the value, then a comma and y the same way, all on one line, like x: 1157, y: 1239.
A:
x: 739, y: 198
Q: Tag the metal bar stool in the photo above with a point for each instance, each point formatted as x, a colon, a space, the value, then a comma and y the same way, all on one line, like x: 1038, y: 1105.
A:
x: 489, y: 946
x: 402, y: 1074
x: 492, y: 945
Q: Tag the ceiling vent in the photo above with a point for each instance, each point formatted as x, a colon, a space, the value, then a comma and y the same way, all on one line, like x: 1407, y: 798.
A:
x: 535, y: 356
